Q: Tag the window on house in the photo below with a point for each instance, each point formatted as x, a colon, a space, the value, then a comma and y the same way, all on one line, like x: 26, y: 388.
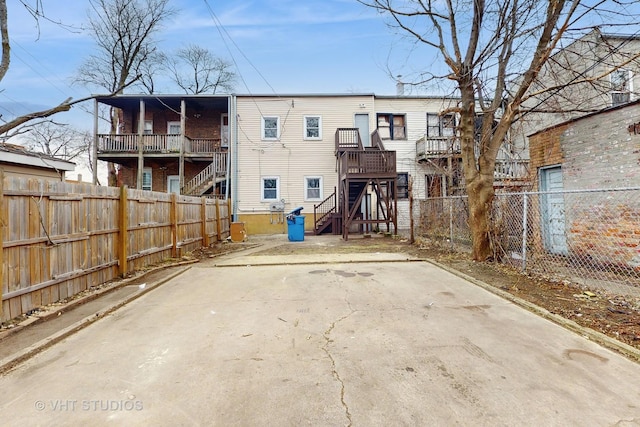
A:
x: 270, y: 188
x: 148, y: 127
x: 270, y: 128
x: 312, y: 127
x: 621, y: 81
x: 403, y: 185
x: 313, y: 188
x: 147, y: 179
x: 392, y: 126
x: 441, y: 125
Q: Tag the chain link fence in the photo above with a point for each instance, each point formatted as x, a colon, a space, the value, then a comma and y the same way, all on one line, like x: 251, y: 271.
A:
x: 590, y: 238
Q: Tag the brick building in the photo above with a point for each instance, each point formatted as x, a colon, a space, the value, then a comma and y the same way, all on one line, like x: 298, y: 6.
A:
x: 600, y: 151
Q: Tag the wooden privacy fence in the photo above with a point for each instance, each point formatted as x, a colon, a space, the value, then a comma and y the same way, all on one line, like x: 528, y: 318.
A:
x: 58, y: 239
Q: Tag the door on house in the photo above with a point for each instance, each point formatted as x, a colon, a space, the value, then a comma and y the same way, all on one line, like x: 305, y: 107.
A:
x: 173, y: 184
x: 362, y: 123
x: 552, y: 211
x: 173, y: 137
x: 224, y: 130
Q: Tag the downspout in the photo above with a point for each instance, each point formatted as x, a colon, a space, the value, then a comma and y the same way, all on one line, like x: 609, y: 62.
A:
x: 183, y: 112
x: 234, y: 158
x: 140, y: 145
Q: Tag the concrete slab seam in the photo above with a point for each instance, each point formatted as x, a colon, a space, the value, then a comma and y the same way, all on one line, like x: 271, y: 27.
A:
x: 13, y: 361
x: 277, y: 264
x: 595, y: 336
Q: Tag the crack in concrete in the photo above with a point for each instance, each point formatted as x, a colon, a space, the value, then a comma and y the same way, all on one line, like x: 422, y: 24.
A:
x: 334, y: 370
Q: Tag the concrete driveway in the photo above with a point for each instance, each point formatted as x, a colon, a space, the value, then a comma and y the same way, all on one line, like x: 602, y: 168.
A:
x: 316, y: 340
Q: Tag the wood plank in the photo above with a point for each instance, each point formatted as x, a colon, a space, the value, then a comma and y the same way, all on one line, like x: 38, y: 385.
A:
x: 123, y: 225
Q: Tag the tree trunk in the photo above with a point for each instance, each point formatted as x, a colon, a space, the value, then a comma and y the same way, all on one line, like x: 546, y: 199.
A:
x: 478, y: 173
x: 480, y: 194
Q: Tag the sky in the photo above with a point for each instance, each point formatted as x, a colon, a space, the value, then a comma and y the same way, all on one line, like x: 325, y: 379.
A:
x: 279, y: 46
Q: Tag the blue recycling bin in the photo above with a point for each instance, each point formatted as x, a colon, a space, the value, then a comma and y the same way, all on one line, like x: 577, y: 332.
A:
x: 295, y: 225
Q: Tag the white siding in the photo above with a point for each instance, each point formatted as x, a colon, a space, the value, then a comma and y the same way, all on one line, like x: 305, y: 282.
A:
x: 291, y: 158
x: 415, y: 111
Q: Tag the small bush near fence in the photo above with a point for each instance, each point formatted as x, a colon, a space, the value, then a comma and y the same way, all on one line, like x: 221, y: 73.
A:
x: 58, y: 239
x: 589, y: 237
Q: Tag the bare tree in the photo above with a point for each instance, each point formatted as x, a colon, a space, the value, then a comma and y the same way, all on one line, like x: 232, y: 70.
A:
x: 124, y: 34
x: 493, y: 51
x: 197, y: 70
x: 54, y: 139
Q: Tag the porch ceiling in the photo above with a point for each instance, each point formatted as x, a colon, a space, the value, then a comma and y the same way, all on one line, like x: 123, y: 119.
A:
x: 132, y: 102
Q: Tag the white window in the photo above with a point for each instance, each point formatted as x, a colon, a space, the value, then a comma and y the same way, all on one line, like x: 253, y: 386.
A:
x: 441, y: 125
x: 146, y: 179
x: 621, y: 86
x: 173, y: 184
x: 148, y: 127
x: 270, y: 128
x: 173, y: 128
x: 270, y: 188
x: 313, y: 188
x: 312, y: 127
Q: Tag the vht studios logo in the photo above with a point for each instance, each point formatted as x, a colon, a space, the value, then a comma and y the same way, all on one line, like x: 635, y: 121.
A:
x: 59, y: 405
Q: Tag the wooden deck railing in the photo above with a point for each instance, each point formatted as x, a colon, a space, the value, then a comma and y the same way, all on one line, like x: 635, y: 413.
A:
x: 348, y: 139
x: 370, y: 163
x: 205, y: 178
x: 429, y: 146
x: 155, y: 143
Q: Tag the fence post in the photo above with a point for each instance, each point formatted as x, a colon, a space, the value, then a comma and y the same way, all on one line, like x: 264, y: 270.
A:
x: 218, y: 221
x: 525, y: 209
x: 203, y: 217
x: 123, y: 226
x: 2, y: 225
x: 451, y: 223
x: 173, y: 218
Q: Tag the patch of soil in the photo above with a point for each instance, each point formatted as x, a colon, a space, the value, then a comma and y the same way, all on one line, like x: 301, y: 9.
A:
x: 613, y: 315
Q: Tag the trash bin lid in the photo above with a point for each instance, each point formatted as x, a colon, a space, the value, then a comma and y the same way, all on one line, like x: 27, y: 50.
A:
x: 296, y: 211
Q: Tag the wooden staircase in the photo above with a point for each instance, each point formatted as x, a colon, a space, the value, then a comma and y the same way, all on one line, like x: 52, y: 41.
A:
x: 207, y: 178
x: 361, y: 171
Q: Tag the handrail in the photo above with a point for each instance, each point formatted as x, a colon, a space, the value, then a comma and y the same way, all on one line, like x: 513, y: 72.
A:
x: 218, y: 167
x: 325, y: 208
x: 376, y: 140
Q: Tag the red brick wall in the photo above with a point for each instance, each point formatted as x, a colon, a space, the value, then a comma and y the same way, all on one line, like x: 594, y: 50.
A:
x: 545, y: 149
x: 161, y: 169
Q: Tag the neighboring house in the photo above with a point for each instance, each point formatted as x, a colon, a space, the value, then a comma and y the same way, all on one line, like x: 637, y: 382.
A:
x: 597, y: 71
x: 351, y: 157
x: 597, y: 151
x: 168, y: 143
x: 16, y: 160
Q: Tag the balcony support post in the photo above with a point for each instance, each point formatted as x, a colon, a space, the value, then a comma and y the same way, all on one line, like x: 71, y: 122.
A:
x: 183, y: 112
x: 140, y: 146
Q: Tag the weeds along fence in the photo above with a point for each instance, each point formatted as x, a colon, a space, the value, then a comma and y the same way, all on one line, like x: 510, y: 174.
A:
x: 58, y: 239
x: 590, y: 238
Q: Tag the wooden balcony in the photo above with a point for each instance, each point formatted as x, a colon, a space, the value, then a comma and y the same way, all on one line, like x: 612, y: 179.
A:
x: 429, y: 147
x: 128, y: 144
x: 367, y: 164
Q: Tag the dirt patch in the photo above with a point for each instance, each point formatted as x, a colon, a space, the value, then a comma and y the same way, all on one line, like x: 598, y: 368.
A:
x: 613, y: 315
